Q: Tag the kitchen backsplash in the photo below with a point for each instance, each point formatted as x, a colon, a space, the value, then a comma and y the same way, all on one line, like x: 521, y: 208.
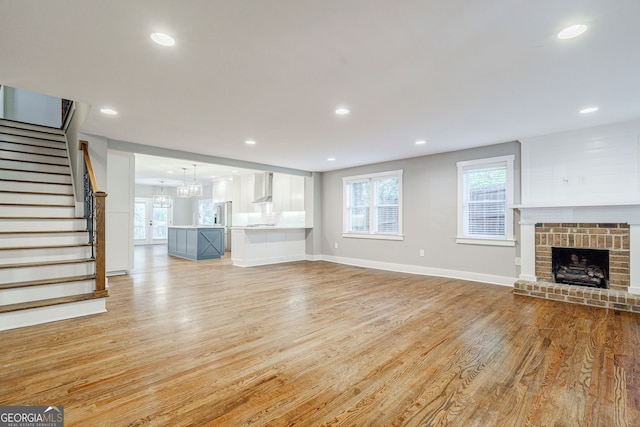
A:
x: 282, y: 219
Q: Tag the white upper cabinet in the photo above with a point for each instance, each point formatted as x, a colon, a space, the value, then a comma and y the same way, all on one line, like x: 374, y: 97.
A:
x: 223, y: 190
x: 288, y: 193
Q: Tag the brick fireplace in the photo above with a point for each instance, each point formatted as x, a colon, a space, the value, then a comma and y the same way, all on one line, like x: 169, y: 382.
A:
x: 611, y: 237
x: 547, y: 230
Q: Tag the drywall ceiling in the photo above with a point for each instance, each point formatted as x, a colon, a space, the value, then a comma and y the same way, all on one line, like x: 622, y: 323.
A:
x: 150, y: 170
x: 456, y: 73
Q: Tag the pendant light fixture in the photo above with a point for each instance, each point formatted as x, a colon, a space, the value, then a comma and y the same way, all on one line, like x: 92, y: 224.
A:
x: 161, y: 200
x: 195, y: 189
x: 183, y: 190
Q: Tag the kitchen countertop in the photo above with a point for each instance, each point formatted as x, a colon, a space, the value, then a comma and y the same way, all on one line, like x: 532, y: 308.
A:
x: 196, y: 226
x: 267, y: 227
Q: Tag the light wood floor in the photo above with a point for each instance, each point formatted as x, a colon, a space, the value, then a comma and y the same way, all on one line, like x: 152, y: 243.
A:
x: 315, y: 343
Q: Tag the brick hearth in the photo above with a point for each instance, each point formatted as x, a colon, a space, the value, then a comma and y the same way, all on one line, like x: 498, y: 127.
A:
x: 604, y: 298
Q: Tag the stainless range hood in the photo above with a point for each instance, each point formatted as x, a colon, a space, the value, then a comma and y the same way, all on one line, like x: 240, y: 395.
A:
x: 263, y: 187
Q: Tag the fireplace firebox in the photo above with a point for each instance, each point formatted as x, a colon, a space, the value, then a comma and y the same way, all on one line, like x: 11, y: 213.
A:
x: 583, y: 267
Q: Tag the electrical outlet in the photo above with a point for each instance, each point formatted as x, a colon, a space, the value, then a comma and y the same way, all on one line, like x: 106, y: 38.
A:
x: 335, y: 245
x: 518, y: 261
x: 421, y: 252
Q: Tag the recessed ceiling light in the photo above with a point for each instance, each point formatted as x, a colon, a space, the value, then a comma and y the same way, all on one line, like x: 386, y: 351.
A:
x: 572, y: 31
x: 234, y: 171
x: 163, y: 39
x: 250, y: 142
x: 169, y: 171
x: 421, y: 142
x: 331, y: 159
x: 212, y: 176
x: 108, y: 111
x: 342, y: 111
x: 589, y: 110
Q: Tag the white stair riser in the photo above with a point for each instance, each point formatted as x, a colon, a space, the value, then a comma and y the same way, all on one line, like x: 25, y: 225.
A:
x: 31, y: 141
x: 24, y: 274
x: 31, y: 148
x: 37, y: 316
x: 29, y: 126
x: 30, y: 133
x: 40, y: 211
x: 7, y: 155
x: 35, y: 176
x: 34, y: 186
x: 35, y: 293
x: 8, y: 164
x: 21, y: 240
x: 44, y: 255
x: 19, y: 224
x: 51, y: 199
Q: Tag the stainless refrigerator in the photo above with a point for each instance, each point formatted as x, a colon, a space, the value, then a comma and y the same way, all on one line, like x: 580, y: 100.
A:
x: 223, y: 215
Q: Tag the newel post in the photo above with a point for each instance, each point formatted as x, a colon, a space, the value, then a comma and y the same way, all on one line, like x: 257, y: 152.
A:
x: 101, y: 269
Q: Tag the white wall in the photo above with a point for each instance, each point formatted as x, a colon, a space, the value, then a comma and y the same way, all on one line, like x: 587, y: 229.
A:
x: 31, y: 107
x: 598, y: 165
x: 119, y: 211
x: 429, y: 221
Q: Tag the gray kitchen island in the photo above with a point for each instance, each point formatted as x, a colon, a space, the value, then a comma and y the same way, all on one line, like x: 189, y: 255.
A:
x: 196, y: 242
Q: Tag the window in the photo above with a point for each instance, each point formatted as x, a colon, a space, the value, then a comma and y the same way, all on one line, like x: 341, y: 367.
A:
x: 373, y: 206
x: 485, y: 194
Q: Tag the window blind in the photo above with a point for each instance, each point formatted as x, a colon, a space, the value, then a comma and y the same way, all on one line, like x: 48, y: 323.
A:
x: 485, y: 201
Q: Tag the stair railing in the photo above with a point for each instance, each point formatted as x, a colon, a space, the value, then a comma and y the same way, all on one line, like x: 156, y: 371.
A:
x: 94, y: 213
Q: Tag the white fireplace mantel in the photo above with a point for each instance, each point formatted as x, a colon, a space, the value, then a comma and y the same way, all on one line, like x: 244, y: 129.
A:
x: 623, y: 213
x: 530, y: 215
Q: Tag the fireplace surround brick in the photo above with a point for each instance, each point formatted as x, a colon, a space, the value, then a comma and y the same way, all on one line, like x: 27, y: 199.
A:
x: 613, y: 237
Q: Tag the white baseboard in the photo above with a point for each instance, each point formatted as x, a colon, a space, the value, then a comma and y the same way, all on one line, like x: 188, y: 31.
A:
x: 426, y: 271
x: 52, y: 313
x: 309, y: 257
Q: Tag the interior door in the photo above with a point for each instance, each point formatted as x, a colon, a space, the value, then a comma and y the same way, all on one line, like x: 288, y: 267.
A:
x: 150, y: 223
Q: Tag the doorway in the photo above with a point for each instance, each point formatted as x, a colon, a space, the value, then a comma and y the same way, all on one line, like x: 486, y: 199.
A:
x: 150, y: 223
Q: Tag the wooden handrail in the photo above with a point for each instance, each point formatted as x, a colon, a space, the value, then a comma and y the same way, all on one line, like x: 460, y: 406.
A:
x: 100, y: 229
x: 84, y: 146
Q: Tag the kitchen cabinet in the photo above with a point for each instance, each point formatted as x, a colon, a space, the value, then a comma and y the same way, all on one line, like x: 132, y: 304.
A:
x: 288, y: 193
x: 243, y: 194
x: 223, y: 190
x: 196, y: 243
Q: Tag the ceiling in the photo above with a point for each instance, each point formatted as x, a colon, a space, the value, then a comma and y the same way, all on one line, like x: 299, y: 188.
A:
x: 150, y: 170
x: 456, y: 73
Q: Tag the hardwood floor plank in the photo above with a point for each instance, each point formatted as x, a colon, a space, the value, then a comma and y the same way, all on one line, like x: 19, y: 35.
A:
x: 318, y: 344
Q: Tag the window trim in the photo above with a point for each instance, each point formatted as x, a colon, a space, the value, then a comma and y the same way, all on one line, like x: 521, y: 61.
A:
x: 509, y: 239
x: 371, y: 234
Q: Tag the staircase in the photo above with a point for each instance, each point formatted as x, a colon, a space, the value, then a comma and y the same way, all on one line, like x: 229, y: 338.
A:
x: 47, y: 272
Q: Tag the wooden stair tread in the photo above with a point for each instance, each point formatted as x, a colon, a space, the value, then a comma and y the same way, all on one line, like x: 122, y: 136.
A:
x: 48, y: 205
x: 39, y: 218
x: 47, y: 263
x: 33, y: 162
x: 35, y: 182
x: 4, y: 132
x: 31, y: 145
x: 42, y: 231
x: 35, y: 171
x: 43, y: 193
x: 47, y: 302
x: 31, y: 153
x: 19, y: 124
x: 46, y: 282
x: 25, y: 248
